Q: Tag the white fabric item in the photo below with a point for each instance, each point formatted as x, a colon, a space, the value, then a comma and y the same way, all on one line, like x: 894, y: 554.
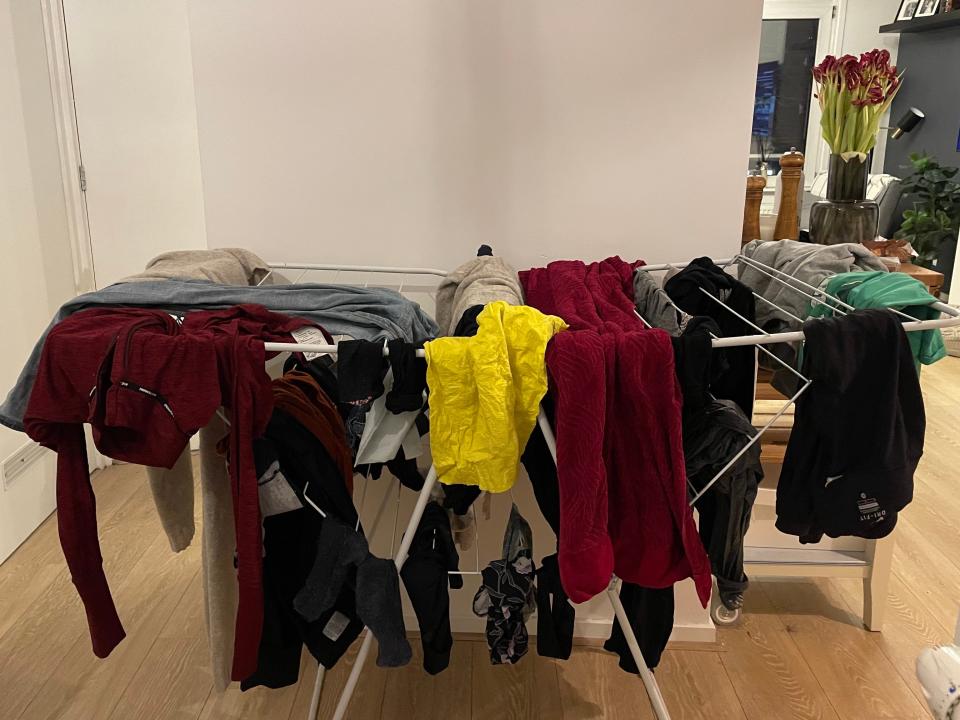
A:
x: 385, y: 432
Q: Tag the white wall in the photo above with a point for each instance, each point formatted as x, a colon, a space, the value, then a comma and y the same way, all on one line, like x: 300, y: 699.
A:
x: 412, y: 132
x: 36, y: 256
x: 863, y: 20
x: 859, y: 34
x: 773, y: 42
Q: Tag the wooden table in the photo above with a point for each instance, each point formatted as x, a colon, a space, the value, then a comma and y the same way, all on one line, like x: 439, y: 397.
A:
x: 931, y: 278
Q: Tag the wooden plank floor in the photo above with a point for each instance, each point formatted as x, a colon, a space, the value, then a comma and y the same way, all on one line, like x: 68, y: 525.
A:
x: 800, y: 652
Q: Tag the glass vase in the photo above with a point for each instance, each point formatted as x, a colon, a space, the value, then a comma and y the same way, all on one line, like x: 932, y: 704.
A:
x: 845, y: 215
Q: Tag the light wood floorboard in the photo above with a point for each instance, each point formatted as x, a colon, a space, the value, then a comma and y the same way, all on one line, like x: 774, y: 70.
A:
x: 800, y: 652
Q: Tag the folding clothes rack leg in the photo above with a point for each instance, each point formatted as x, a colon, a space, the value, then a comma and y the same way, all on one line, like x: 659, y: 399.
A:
x: 317, y: 692
x: 321, y: 670
x: 649, y: 681
x: 422, y: 499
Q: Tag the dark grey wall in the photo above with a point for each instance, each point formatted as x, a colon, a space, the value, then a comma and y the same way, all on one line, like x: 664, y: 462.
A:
x: 931, y: 83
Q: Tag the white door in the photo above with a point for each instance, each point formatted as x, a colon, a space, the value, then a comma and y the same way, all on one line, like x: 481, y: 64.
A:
x: 136, y: 117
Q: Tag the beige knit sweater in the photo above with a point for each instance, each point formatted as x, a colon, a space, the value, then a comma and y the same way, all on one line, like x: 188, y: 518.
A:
x: 173, y: 495
x: 478, y: 281
x: 227, y: 266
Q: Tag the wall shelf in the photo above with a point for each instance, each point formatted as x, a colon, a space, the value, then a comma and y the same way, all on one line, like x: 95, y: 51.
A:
x: 940, y: 21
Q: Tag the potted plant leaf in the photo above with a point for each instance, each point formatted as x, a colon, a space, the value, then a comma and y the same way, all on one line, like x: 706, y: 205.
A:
x: 931, y: 226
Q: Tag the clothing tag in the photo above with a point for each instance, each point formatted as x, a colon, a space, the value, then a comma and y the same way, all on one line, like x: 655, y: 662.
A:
x: 310, y: 336
x: 335, y: 626
x: 276, y: 495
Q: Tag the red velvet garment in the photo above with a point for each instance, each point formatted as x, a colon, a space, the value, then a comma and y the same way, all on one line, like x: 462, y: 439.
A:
x: 620, y: 466
x: 145, y: 384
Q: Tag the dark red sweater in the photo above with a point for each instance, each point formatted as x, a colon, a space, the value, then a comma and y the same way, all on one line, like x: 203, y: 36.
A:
x: 620, y: 466
x: 146, y: 383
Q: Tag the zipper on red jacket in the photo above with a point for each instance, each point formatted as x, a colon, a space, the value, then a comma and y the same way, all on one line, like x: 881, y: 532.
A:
x: 140, y: 325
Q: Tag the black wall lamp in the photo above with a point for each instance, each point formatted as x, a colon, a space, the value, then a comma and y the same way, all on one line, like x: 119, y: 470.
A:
x: 908, y: 122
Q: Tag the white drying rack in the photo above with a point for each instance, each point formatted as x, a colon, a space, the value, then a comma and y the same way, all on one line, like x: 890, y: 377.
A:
x: 763, y: 338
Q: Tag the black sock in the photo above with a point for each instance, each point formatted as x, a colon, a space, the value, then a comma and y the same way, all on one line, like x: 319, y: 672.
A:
x: 378, y: 604
x: 338, y: 549
x: 651, y: 616
x: 361, y: 367
x: 555, y: 614
x: 409, y: 378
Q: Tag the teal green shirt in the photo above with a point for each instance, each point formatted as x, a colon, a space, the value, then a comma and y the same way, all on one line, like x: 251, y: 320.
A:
x: 889, y: 290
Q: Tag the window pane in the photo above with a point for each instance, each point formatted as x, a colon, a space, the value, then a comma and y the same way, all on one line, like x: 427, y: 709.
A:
x: 784, y: 86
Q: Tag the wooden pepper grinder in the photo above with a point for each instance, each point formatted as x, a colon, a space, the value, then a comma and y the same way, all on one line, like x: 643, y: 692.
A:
x: 751, y: 208
x: 788, y: 217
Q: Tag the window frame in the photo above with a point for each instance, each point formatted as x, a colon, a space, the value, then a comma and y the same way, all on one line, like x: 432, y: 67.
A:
x: 829, y: 14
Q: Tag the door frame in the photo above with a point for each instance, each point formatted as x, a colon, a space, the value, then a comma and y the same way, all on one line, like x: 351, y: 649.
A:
x: 71, y: 164
x: 68, y: 141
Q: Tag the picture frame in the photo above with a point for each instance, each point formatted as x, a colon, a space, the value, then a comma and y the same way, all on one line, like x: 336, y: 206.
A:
x: 908, y: 10
x: 927, y: 8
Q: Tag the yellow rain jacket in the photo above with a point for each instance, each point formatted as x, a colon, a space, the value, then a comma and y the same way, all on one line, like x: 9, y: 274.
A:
x: 485, y: 392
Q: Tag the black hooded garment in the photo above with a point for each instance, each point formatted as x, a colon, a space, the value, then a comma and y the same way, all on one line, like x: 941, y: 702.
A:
x: 858, y: 430
x: 289, y: 550
x: 686, y: 289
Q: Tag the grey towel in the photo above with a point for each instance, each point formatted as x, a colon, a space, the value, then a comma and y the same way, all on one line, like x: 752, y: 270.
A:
x: 362, y: 313
x: 808, y: 263
x: 478, y: 281
x: 654, y: 305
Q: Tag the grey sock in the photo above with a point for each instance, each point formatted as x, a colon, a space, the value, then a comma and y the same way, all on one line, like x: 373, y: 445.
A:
x: 378, y: 605
x: 338, y: 548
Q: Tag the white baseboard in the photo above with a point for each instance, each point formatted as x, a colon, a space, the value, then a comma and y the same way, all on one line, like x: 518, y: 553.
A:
x: 586, y: 629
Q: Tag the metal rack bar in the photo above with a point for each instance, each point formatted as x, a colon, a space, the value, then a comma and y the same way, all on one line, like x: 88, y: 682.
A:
x: 790, y: 280
x: 359, y: 268
x: 753, y: 440
x: 912, y: 325
x: 829, y: 300
x: 789, y: 314
x: 783, y: 363
x: 314, y: 348
x: 422, y: 499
